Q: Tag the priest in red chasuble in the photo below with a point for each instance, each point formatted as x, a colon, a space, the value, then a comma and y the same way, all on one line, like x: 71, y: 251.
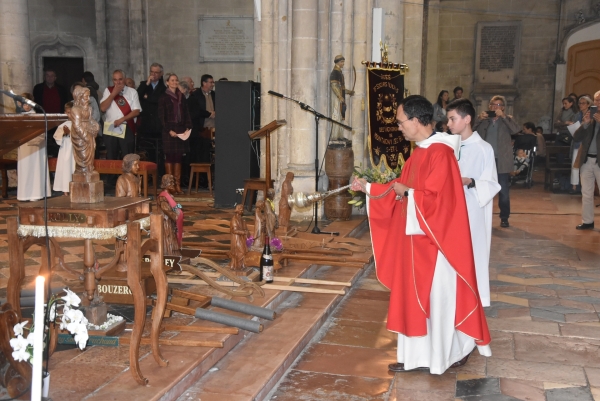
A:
x: 422, y: 248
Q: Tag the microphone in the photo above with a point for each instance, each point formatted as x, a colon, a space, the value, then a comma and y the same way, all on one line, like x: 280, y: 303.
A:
x: 275, y: 94
x: 20, y: 98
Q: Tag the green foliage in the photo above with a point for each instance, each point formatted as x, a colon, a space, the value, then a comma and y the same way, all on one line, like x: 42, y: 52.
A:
x: 375, y: 175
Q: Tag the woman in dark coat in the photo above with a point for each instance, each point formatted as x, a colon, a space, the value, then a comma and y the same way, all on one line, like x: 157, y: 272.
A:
x: 175, y: 118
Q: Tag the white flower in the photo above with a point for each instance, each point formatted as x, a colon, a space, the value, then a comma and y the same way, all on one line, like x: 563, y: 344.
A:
x: 74, y: 316
x: 19, y: 346
x: 71, y: 299
x: 52, y: 314
x: 81, y: 334
x: 18, y: 328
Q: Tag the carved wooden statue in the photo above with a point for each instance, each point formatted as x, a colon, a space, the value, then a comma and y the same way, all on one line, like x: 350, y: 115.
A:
x: 284, y: 209
x: 239, y: 234
x: 338, y: 96
x: 84, y: 131
x: 259, y: 225
x: 128, y: 184
x: 271, y: 217
x: 172, y: 217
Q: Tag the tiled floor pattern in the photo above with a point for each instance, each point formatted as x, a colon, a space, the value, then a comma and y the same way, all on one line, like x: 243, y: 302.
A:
x: 544, y: 322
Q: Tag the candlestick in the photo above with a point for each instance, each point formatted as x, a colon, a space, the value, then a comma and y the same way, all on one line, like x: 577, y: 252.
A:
x: 38, y: 340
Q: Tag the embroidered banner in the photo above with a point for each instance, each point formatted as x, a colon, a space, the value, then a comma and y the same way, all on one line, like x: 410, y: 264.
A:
x: 386, y: 143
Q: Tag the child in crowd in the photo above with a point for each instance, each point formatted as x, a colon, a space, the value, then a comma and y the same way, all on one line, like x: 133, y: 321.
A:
x: 32, y: 165
x: 521, y: 163
x: 65, y: 164
x: 541, y: 142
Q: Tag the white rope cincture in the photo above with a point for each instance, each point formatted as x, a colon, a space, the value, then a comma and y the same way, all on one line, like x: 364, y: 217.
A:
x: 79, y: 232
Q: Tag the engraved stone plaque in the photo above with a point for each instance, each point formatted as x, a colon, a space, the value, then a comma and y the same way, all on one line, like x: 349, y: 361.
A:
x: 497, y: 52
x: 226, y: 39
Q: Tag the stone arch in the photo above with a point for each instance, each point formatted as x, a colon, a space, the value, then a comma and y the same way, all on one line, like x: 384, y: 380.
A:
x: 56, y: 46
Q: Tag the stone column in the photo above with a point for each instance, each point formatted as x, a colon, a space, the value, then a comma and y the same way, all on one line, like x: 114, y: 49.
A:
x: 267, y: 79
x: 413, y: 44
x: 324, y: 67
x: 282, y: 71
x: 362, y: 12
x: 393, y: 28
x: 15, y: 51
x: 117, y: 37
x: 138, y: 68
x: 102, y: 75
x: 304, y: 83
x: 433, y: 46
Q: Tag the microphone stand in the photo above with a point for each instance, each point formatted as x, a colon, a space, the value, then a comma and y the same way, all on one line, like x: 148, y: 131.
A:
x: 318, y: 116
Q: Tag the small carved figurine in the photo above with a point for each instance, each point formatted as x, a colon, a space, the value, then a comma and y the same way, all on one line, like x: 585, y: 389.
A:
x: 259, y: 225
x: 128, y: 184
x: 239, y: 234
x: 271, y: 217
x: 284, y: 209
x: 173, y: 217
x: 84, y: 131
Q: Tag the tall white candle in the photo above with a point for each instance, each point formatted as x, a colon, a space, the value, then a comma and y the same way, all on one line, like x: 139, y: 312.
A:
x: 38, y: 340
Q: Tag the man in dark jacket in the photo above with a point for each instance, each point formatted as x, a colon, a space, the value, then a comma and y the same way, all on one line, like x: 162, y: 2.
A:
x: 496, y: 129
x: 51, y: 96
x: 589, y: 170
x: 90, y: 82
x: 206, y: 100
x: 149, y: 92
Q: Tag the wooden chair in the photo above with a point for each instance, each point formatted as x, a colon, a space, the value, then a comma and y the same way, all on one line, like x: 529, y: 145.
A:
x: 251, y: 185
x: 5, y: 165
x: 553, y: 164
x: 198, y: 168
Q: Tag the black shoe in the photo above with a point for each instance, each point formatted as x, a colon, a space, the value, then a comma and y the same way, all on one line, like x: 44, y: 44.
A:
x: 585, y: 226
x: 504, y: 223
x: 399, y: 367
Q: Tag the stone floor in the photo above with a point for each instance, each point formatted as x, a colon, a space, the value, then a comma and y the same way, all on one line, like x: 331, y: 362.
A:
x: 544, y: 322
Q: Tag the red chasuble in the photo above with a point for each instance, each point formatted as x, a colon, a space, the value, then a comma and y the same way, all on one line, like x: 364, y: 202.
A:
x: 406, y: 263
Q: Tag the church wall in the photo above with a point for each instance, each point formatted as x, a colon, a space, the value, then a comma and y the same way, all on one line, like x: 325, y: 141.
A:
x: 173, y: 38
x: 457, y: 35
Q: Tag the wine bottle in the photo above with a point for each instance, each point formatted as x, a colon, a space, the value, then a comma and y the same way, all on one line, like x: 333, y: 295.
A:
x: 266, y: 263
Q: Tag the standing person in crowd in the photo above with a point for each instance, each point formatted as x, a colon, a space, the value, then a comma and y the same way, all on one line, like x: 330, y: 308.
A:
x: 32, y: 165
x: 458, y: 93
x: 439, y: 108
x: 50, y: 95
x: 89, y: 82
x: 496, y: 128
x: 587, y: 134
x: 422, y: 248
x: 541, y: 142
x: 121, y: 107
x: 206, y: 99
x: 193, y: 106
x: 149, y: 91
x: 480, y: 183
x: 584, y: 105
x: 65, y: 163
x: 129, y: 82
x: 175, y: 119
x: 190, y: 83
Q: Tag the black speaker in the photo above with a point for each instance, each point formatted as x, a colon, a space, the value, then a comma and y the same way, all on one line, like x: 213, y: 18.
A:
x: 237, y: 157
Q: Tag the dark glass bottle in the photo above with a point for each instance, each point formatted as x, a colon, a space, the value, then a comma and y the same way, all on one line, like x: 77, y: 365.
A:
x: 266, y: 263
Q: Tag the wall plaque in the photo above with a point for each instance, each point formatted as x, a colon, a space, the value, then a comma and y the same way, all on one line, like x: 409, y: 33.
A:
x: 497, y: 52
x: 226, y: 39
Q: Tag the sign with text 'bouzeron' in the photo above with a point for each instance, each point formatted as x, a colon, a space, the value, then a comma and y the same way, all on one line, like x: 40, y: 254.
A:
x: 385, y: 89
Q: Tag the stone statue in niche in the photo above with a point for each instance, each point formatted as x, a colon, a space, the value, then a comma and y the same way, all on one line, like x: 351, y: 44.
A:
x: 284, y: 208
x: 128, y: 184
x: 338, y: 96
x: 173, y: 217
x: 239, y: 234
x: 84, y: 131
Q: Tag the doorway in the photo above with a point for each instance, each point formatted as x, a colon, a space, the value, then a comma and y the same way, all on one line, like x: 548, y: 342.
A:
x: 68, y: 69
x: 583, y: 70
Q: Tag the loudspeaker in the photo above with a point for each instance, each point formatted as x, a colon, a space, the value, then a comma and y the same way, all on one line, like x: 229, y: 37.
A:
x: 237, y: 112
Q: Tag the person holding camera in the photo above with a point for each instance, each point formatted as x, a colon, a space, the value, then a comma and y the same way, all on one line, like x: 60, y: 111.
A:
x: 589, y: 170
x: 496, y: 128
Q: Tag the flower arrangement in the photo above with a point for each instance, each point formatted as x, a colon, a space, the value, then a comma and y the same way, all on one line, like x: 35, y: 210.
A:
x: 381, y: 176
x: 59, y: 310
x: 274, y: 242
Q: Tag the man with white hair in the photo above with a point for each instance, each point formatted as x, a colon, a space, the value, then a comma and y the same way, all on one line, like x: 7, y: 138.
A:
x: 589, y: 170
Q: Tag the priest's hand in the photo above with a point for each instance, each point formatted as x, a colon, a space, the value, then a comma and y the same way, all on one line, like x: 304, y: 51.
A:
x: 358, y: 184
x: 465, y: 180
x: 400, y: 189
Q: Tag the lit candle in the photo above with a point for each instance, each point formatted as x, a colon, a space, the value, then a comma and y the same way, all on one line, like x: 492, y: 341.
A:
x: 38, y: 340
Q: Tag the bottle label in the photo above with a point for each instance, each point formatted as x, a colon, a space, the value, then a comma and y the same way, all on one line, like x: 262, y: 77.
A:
x: 268, y: 273
x: 267, y: 257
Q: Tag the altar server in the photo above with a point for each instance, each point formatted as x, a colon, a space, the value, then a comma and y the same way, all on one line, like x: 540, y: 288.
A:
x: 422, y: 248
x: 65, y: 164
x: 480, y: 183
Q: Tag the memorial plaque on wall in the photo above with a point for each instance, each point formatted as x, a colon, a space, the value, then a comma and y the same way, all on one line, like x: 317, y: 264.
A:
x: 498, y: 52
x: 226, y: 39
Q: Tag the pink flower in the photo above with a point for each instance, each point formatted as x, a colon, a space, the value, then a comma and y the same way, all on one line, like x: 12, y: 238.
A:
x: 250, y: 241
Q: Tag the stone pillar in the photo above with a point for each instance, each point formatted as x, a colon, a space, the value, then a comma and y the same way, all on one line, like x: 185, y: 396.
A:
x: 413, y: 44
x: 362, y: 12
x: 282, y: 19
x: 432, y: 88
x: 393, y: 28
x: 304, y: 83
x: 15, y: 51
x: 138, y: 68
x: 117, y: 37
x: 267, y: 79
x: 102, y: 75
x: 324, y: 67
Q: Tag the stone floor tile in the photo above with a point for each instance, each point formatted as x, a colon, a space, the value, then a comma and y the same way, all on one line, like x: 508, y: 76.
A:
x: 581, y: 317
x: 363, y: 309
x: 535, y: 371
x: 593, y: 375
x: 409, y: 395
x: 514, y: 313
x: 349, y: 361
x: 360, y: 334
x: 545, y: 315
x: 520, y: 326
x: 579, y: 331
x: 362, y: 293
x: 495, y: 307
x: 558, y: 350
x: 372, y: 284
x: 522, y: 389
x: 489, y: 397
x: 569, y: 394
x: 298, y: 385
x: 502, y: 347
x: 478, y: 387
x: 423, y: 381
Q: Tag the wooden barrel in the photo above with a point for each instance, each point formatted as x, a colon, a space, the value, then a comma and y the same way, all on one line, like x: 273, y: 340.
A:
x: 339, y: 165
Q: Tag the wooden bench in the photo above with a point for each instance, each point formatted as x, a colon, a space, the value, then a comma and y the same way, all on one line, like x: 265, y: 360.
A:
x: 115, y: 167
x: 554, y: 165
x: 5, y: 165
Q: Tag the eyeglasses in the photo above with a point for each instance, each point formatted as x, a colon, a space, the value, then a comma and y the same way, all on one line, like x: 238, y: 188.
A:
x: 496, y: 104
x: 402, y: 122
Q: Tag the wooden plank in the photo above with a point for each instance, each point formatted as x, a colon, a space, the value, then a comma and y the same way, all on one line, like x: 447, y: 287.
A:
x: 203, y: 299
x: 173, y: 341
x: 201, y: 329
x: 313, y: 281
x: 265, y: 286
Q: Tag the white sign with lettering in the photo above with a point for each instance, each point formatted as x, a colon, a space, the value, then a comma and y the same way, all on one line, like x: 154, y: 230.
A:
x: 226, y: 39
